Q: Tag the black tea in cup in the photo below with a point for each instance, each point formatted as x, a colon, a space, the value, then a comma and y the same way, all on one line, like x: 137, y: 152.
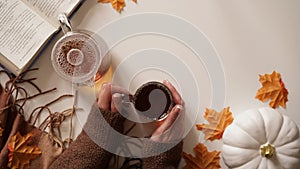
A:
x: 153, y: 100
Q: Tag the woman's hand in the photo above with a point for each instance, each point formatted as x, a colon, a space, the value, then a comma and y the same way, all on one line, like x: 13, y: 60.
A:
x: 104, y: 98
x: 109, y: 95
x: 172, y: 127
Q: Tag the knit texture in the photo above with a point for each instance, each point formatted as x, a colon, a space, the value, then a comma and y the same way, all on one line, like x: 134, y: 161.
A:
x: 104, y: 128
x: 168, y: 160
x: 84, y: 153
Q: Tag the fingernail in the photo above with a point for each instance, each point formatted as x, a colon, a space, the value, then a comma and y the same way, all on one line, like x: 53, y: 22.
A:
x: 178, y: 108
x: 166, y: 81
x: 104, y: 84
x: 117, y: 95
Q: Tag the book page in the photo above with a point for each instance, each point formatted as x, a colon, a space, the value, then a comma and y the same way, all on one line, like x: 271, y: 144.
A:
x: 50, y: 9
x: 22, y: 32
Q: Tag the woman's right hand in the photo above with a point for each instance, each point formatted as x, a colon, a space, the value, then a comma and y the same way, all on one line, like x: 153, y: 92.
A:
x: 172, y: 127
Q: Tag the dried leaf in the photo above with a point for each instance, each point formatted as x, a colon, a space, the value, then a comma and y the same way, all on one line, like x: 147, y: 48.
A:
x: 203, y: 159
x: 1, y: 132
x: 118, y: 4
x: 217, y: 123
x: 104, y: 1
x: 20, y: 153
x: 272, y: 88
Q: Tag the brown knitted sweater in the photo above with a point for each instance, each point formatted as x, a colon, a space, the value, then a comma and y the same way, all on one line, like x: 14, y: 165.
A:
x: 84, y: 153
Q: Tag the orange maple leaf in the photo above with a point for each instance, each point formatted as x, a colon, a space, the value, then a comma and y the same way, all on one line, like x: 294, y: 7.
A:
x: 217, y: 123
x: 1, y: 132
x: 203, y: 159
x: 104, y: 1
x: 20, y: 153
x: 272, y: 88
x: 118, y: 5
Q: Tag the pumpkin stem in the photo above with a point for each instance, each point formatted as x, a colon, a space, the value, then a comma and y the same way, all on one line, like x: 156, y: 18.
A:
x: 267, y: 150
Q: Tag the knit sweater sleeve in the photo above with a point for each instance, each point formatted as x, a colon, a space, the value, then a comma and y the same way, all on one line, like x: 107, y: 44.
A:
x: 168, y: 159
x: 84, y: 153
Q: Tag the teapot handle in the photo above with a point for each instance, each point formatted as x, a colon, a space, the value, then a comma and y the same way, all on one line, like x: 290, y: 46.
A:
x: 64, y: 23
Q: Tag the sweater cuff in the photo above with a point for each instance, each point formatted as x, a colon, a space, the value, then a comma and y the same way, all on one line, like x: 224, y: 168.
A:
x: 82, y: 153
x: 103, y: 127
x: 165, y: 155
x: 152, y: 148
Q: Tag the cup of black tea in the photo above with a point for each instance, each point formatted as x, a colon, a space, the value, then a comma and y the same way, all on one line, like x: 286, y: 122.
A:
x: 153, y: 100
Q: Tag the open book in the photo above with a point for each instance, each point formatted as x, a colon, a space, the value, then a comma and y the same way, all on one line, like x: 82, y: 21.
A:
x: 25, y: 28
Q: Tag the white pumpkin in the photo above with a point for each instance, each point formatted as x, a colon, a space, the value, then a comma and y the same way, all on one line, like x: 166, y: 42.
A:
x: 262, y: 139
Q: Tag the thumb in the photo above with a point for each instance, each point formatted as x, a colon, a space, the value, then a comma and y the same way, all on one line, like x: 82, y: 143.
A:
x: 122, y: 104
x: 116, y: 103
